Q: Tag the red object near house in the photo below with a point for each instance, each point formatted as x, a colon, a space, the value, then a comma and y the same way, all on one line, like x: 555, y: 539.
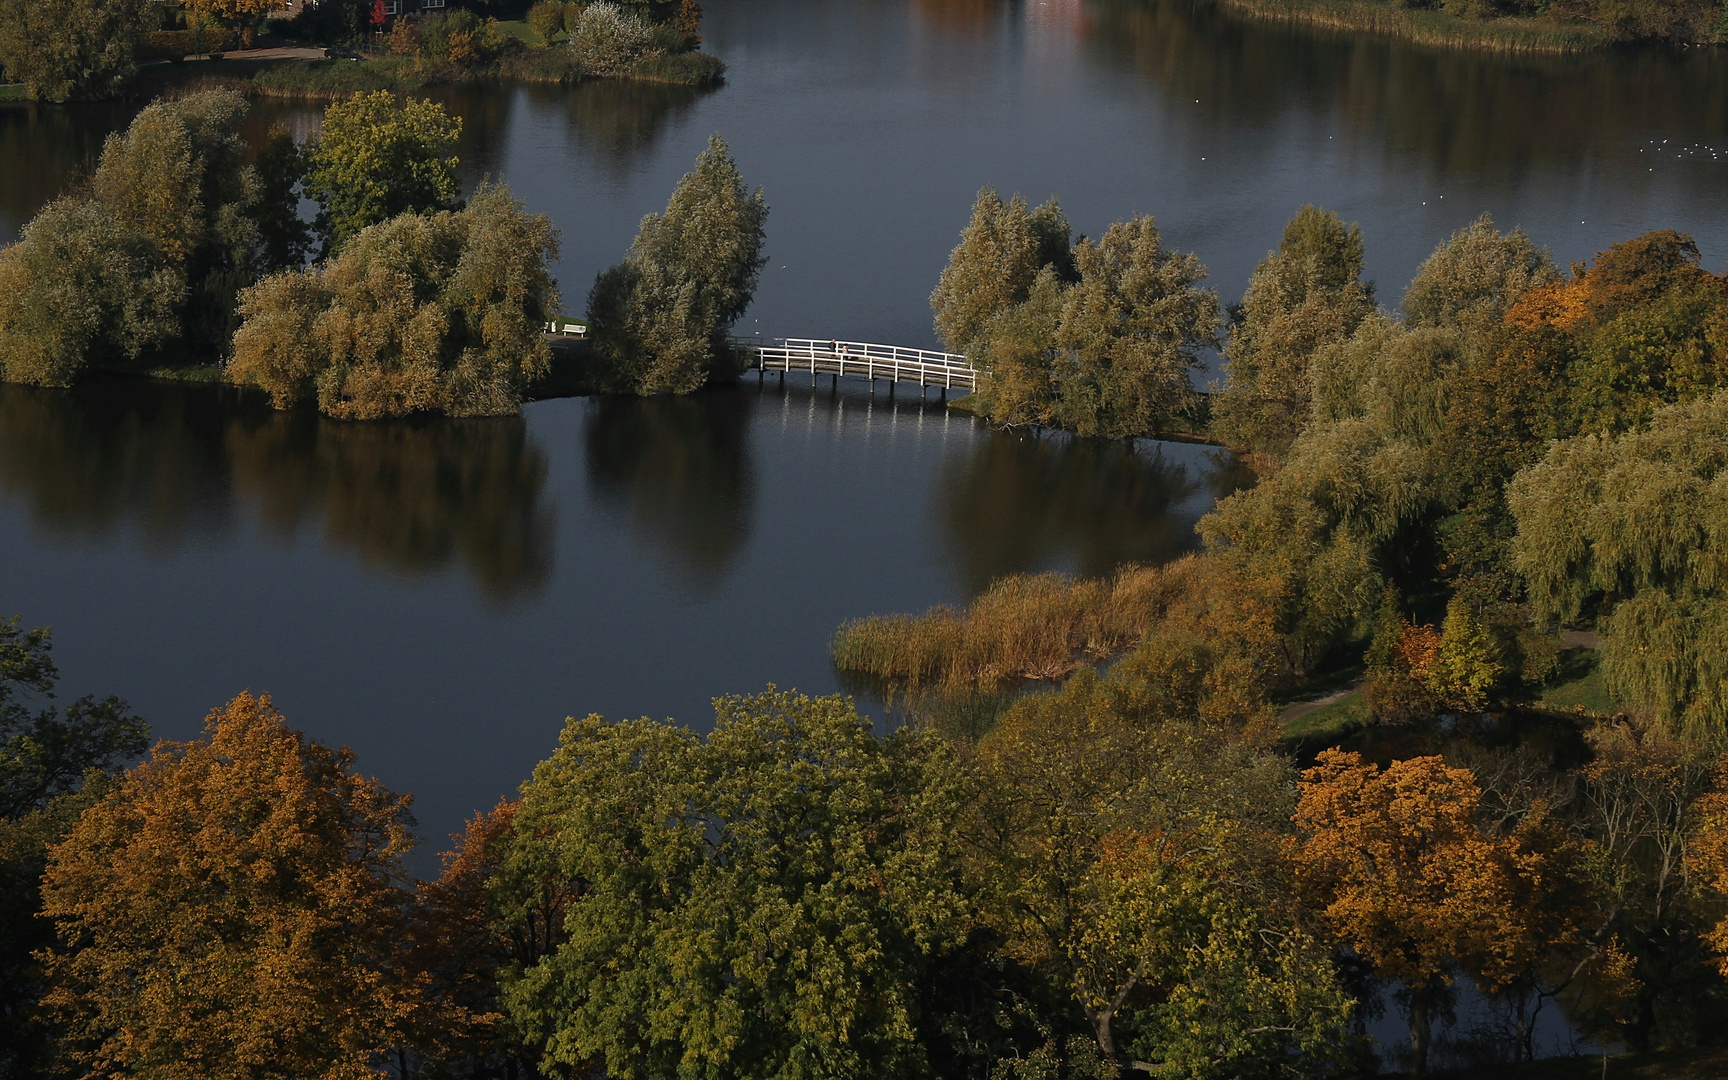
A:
x: 379, y: 15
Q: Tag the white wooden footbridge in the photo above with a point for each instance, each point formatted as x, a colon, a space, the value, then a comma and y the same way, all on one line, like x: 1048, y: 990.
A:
x: 859, y: 359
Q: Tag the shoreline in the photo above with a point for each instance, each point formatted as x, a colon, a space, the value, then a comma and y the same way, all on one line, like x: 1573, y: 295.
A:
x: 1509, y: 35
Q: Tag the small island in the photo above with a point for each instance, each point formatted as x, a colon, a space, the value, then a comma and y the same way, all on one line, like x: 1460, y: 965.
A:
x: 139, y: 48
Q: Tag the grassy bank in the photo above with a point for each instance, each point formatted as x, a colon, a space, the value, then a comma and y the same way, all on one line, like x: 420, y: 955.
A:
x: 1429, y: 26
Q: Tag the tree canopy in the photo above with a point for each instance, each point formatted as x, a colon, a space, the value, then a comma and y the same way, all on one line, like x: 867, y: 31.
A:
x: 66, y: 50
x: 1306, y: 295
x: 425, y: 312
x: 231, y: 908
x: 1098, y: 338
x: 659, y: 319
x: 747, y: 904
x: 375, y: 159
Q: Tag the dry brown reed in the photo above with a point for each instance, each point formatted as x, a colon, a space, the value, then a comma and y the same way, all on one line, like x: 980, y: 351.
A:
x: 1040, y: 626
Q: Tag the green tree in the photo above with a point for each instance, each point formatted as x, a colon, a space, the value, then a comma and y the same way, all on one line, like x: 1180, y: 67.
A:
x: 64, y: 50
x: 284, y: 240
x: 1472, y: 280
x: 1132, y: 330
x: 1015, y: 352
x: 78, y: 286
x: 177, y: 175
x: 1467, y: 665
x: 1305, y: 295
x: 755, y: 903
x: 375, y: 159
x: 233, y: 907
x: 1358, y: 502
x: 992, y: 269
x: 1631, y: 528
x: 53, y: 764
x: 425, y: 312
x: 1135, y: 862
x: 659, y: 319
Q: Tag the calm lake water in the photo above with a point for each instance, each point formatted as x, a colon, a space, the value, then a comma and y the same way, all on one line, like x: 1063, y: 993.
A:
x: 440, y: 594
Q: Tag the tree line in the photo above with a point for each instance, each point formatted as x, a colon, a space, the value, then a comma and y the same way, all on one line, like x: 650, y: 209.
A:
x: 1121, y: 875
x: 417, y: 301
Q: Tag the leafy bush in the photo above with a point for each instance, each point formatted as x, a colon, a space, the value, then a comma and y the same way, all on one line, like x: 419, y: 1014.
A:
x: 609, y: 42
x: 174, y: 44
x: 462, y: 39
x: 546, y: 18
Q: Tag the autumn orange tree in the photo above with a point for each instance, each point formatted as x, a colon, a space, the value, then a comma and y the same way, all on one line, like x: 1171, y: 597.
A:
x: 234, y: 907
x: 1403, y: 874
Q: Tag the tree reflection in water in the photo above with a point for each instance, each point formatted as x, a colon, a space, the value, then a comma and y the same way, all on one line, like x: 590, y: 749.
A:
x: 616, y: 121
x: 178, y: 462
x: 678, y: 469
x: 413, y: 495
x: 1023, y: 502
x: 89, y: 461
x: 1469, y: 113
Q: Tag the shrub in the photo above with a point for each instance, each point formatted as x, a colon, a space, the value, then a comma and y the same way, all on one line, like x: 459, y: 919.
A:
x: 462, y: 39
x: 609, y: 42
x: 176, y: 44
x: 547, y: 18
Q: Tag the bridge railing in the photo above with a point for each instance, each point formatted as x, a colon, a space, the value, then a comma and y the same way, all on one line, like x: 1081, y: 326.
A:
x: 861, y: 358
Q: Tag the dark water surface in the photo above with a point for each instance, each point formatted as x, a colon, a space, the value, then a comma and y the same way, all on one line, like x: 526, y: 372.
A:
x: 440, y: 594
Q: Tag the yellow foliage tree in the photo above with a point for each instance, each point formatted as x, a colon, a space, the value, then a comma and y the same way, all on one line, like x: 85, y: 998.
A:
x: 1404, y: 875
x: 232, y: 909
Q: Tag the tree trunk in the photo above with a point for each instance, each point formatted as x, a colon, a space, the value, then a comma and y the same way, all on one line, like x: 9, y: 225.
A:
x: 1101, y: 1028
x: 1419, y: 1031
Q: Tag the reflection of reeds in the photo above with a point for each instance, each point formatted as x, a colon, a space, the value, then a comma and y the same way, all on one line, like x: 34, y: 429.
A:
x: 1023, y: 627
x: 1428, y: 27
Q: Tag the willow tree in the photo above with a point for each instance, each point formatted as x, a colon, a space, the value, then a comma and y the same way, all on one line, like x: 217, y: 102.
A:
x: 80, y: 286
x: 1633, y: 529
x: 1001, y: 251
x: 1306, y: 295
x: 425, y: 312
x: 1367, y: 484
x: 178, y: 176
x: 1132, y: 331
x: 659, y: 319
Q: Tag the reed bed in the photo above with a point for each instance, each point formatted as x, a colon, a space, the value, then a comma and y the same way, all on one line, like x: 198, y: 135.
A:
x: 1429, y: 27
x: 1024, y: 627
